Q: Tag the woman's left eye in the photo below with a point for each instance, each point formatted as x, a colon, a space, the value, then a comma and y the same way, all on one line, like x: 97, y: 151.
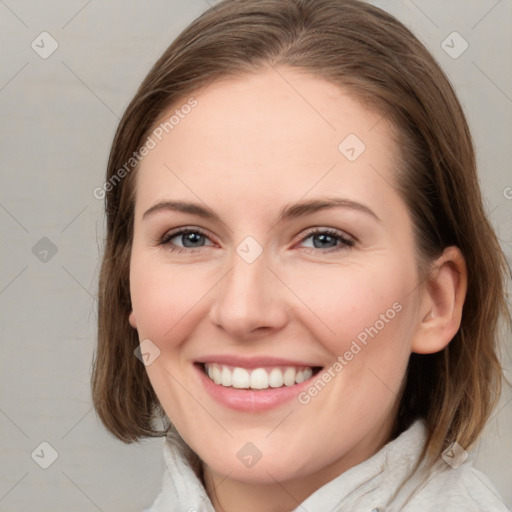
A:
x: 327, y: 239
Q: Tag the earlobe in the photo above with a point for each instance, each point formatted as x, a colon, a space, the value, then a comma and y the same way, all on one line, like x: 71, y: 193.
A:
x: 132, y: 320
x: 442, y: 303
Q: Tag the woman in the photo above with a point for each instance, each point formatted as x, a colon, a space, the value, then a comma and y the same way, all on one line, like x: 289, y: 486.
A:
x: 298, y: 254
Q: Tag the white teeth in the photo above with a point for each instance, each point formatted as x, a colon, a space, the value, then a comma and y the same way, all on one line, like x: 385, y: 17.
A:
x: 225, y: 376
x: 275, y: 379
x: 289, y: 376
x: 259, y: 378
x: 216, y: 374
x: 303, y: 375
x: 240, y: 378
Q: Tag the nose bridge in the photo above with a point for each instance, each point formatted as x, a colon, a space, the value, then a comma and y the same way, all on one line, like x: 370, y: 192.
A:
x: 248, y: 297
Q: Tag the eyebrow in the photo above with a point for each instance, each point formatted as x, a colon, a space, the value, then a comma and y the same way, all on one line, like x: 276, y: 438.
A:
x: 292, y: 211
x: 181, y: 206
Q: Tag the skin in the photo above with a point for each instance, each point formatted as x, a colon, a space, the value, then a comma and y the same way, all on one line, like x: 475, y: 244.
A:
x: 251, y: 146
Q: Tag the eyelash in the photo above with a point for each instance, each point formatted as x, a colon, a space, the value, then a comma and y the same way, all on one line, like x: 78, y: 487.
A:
x: 345, y: 242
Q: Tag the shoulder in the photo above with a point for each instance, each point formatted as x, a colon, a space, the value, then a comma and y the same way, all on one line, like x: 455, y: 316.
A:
x: 455, y: 489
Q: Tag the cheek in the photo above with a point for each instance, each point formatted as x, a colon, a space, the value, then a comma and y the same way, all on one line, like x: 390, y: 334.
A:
x: 347, y: 303
x: 163, y: 298
x: 167, y: 303
x: 365, y: 320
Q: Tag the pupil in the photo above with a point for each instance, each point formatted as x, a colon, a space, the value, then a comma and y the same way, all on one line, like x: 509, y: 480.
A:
x: 324, y: 241
x: 191, y: 239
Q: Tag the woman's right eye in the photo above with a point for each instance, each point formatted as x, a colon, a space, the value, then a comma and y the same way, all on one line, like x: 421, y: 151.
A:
x: 185, y: 239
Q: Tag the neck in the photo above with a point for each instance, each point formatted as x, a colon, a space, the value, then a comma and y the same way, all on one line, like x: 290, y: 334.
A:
x: 230, y: 495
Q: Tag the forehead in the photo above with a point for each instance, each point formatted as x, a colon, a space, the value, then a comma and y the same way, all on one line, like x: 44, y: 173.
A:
x: 269, y: 134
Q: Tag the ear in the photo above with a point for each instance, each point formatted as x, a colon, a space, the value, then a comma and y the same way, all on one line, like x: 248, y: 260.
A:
x: 442, y: 302
x: 132, y: 320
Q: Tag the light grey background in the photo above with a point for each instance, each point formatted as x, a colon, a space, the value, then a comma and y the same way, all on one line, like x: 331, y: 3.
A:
x: 58, y: 118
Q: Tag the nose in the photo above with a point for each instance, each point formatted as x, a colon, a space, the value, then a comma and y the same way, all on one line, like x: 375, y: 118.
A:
x: 250, y: 300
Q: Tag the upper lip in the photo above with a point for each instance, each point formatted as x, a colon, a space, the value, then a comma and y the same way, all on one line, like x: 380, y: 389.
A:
x: 254, y: 362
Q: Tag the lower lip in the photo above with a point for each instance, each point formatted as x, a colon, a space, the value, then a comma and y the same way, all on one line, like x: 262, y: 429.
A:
x: 248, y: 400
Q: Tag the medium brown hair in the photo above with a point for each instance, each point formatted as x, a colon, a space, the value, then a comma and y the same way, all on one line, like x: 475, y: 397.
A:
x: 381, y: 63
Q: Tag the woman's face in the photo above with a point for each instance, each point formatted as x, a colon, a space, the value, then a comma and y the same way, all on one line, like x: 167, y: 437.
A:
x: 272, y: 250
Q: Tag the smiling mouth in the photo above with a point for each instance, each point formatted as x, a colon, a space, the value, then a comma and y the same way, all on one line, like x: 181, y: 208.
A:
x: 258, y: 378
